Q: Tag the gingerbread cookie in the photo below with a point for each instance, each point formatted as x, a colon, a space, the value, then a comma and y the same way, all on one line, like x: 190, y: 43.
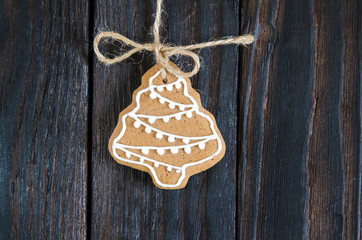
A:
x: 166, y: 132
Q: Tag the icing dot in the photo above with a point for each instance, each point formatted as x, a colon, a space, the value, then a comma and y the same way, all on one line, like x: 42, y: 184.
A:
x: 157, y: 164
x: 174, y: 150
x: 169, y: 168
x: 171, y: 105
x: 178, y: 116
x: 178, y: 85
x: 186, y: 140
x: 137, y: 124
x: 159, y: 135
x: 145, y: 151
x: 142, y: 160
x: 169, y: 87
x: 160, y: 151
x: 148, y: 130
x: 153, y: 95
x: 160, y: 88
x: 181, y: 107
x: 188, y: 150
x: 166, y: 119
x: 162, y: 101
x: 201, y: 145
x: 151, y: 120
x: 189, y: 114
x: 128, y: 155
x: 171, y: 138
x: 178, y: 170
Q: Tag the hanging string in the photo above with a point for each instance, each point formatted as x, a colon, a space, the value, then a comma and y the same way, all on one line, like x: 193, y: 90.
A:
x: 164, y: 52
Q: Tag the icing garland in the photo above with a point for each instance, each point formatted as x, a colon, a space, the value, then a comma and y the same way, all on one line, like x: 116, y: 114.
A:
x: 149, y: 129
x: 142, y: 160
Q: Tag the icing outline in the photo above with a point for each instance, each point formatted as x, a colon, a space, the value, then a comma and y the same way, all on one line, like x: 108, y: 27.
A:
x: 195, y: 108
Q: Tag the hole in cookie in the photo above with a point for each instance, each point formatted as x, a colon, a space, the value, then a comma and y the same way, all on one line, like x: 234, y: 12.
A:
x: 164, y: 80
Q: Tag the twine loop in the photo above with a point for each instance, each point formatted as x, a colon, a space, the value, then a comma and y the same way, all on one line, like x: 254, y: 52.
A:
x: 164, y: 52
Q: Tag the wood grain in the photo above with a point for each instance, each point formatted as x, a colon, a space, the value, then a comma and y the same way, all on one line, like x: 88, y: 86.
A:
x: 43, y: 119
x: 288, y: 106
x: 300, y: 168
x: 325, y: 163
x: 277, y: 106
x: 350, y: 111
x: 124, y: 198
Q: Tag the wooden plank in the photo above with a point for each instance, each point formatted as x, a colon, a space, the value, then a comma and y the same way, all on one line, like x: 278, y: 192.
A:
x: 125, y: 204
x: 276, y: 105
x: 326, y: 174
x: 248, y: 172
x: 277, y: 119
x: 350, y: 111
x: 254, y: 67
x: 43, y: 119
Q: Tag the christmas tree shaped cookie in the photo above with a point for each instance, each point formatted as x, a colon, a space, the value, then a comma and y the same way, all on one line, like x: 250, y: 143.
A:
x: 166, y: 132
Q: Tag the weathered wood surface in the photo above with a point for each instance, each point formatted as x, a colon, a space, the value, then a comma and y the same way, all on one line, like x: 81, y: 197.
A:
x: 289, y: 108
x: 124, y: 201
x: 43, y: 119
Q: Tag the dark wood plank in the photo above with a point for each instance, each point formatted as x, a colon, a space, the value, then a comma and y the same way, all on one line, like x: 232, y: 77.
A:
x: 293, y: 163
x: 125, y: 204
x: 325, y: 157
x: 350, y: 111
x: 254, y: 67
x: 299, y: 174
x: 43, y: 119
x: 276, y: 105
x: 217, y: 84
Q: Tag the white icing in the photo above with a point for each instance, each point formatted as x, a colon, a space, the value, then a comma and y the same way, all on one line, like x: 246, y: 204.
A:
x: 148, y: 130
x: 159, y: 135
x: 166, y: 119
x: 178, y: 85
x: 142, y: 158
x: 160, y: 151
x: 188, y: 149
x: 174, y: 150
x: 184, y: 139
x: 175, y: 115
x: 153, y: 95
x: 198, y: 141
x: 137, y: 124
x: 162, y: 100
x: 171, y: 105
x: 119, y: 145
x: 160, y: 88
x: 151, y: 119
x: 152, y: 89
x: 145, y: 151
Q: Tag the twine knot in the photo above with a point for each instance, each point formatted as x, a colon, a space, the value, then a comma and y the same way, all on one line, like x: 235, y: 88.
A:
x: 164, y: 52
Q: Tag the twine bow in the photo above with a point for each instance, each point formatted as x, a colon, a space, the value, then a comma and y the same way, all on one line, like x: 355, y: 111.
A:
x: 164, y: 52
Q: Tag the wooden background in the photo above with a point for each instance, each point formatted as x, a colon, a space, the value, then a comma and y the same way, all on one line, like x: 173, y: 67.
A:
x: 288, y: 106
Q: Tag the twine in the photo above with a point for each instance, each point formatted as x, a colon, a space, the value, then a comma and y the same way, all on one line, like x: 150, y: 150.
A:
x: 164, y: 52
